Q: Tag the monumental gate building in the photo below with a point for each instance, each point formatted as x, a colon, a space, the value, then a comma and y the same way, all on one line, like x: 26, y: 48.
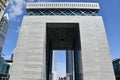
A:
x: 62, y: 26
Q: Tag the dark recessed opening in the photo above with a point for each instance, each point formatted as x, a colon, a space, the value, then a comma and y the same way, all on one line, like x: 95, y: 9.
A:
x: 64, y: 36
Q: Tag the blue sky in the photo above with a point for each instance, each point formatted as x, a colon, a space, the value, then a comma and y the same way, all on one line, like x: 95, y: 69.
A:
x: 110, y: 10
x: 61, y: 62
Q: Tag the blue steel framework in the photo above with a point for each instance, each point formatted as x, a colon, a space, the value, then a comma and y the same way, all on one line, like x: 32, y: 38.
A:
x: 64, y: 12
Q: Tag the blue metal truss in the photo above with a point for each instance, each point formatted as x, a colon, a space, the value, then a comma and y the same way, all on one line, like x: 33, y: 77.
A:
x: 64, y: 12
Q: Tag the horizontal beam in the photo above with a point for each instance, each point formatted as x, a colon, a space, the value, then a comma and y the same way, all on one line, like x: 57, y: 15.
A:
x: 62, y: 5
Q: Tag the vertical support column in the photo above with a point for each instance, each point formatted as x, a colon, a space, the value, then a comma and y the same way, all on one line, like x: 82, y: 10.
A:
x: 77, y: 57
x: 30, y: 58
x: 49, y: 53
x: 96, y: 61
x: 76, y: 66
x: 47, y: 56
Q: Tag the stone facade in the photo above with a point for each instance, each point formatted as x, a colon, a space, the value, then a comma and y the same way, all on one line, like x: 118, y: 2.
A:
x: 29, y: 62
x: 29, y: 57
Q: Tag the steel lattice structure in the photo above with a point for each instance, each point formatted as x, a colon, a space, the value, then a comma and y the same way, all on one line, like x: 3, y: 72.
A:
x: 64, y: 12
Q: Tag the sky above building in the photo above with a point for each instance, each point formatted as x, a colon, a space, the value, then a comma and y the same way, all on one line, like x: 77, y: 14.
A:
x: 60, y: 63
x: 110, y: 10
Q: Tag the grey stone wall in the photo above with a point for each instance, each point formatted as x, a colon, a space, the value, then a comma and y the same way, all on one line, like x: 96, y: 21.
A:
x: 29, y: 58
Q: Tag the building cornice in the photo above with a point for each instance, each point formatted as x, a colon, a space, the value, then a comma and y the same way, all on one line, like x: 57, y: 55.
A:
x: 62, y: 5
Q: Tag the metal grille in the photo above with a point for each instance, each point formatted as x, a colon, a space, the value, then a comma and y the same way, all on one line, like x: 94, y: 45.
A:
x: 64, y: 12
